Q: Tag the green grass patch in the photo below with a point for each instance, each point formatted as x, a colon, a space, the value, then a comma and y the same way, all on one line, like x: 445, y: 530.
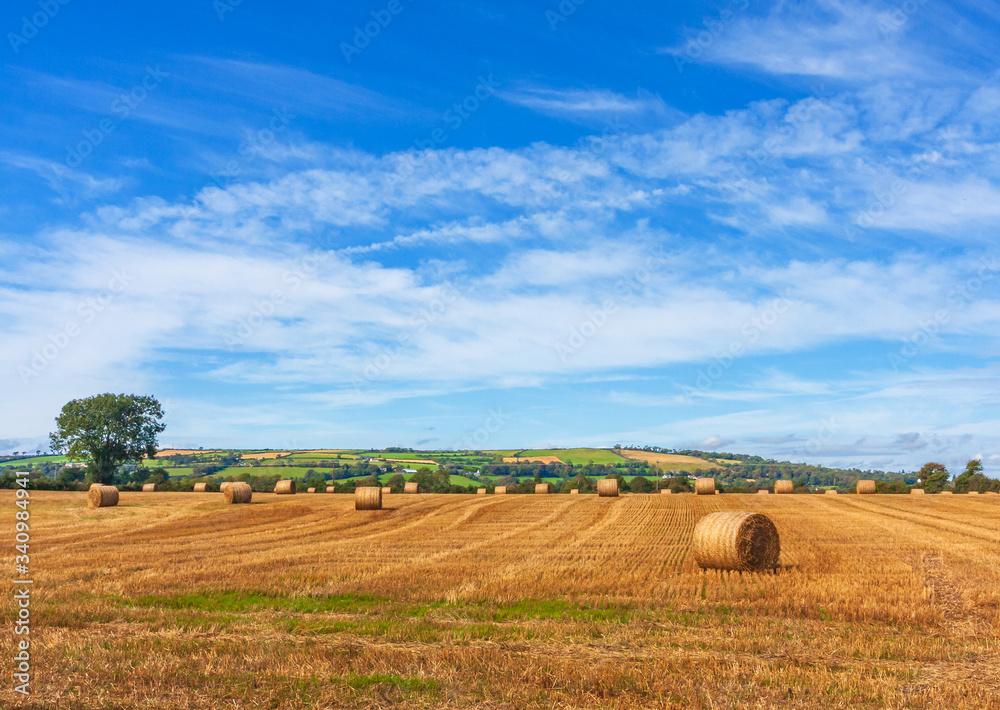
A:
x: 234, y: 602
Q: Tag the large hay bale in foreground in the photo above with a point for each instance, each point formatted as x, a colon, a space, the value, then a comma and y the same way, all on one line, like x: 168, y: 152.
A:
x: 101, y: 496
x: 411, y: 487
x: 368, y: 498
x: 237, y: 492
x: 783, y: 487
x: 200, y: 487
x: 607, y: 488
x: 500, y: 490
x: 704, y: 486
x: 736, y: 541
x: 480, y: 491
x: 543, y: 488
x: 831, y: 492
x: 866, y: 487
x: 917, y: 492
x: 386, y: 489
x: 331, y: 489
x: 149, y: 488
x: 285, y: 487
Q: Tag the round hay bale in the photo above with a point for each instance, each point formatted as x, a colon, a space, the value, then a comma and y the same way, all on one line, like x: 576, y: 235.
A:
x: 763, y: 493
x: 411, y: 487
x: 237, y: 492
x: 666, y: 492
x: 500, y: 490
x: 331, y: 489
x: 704, y: 486
x: 736, y: 541
x: 386, y: 490
x: 201, y: 487
x: 866, y: 487
x: 149, y: 488
x: 607, y: 487
x: 368, y: 498
x: 224, y: 485
x: 310, y: 490
x: 574, y: 492
x: 973, y: 493
x: 543, y: 488
x: 718, y: 493
x: 783, y: 487
x: 917, y: 492
x: 480, y: 491
x: 946, y: 493
x: 831, y: 492
x: 101, y: 496
x: 285, y: 487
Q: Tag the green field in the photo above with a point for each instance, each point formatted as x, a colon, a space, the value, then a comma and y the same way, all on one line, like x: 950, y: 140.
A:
x: 34, y: 460
x: 577, y: 456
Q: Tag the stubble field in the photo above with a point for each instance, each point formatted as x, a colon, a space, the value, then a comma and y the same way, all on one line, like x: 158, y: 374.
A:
x: 175, y: 600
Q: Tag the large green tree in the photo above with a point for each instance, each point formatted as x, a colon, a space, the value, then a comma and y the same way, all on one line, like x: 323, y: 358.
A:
x: 934, y: 477
x: 108, y: 430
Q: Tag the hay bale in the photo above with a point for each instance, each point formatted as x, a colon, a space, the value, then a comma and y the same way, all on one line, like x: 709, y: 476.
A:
x: 201, y: 487
x: 666, y: 492
x: 917, y: 492
x: 946, y: 493
x: 973, y: 493
x: 149, y: 488
x: 411, y: 487
x: 480, y: 491
x: 224, y: 485
x: 831, y: 492
x: 500, y: 490
x: 704, y: 486
x: 543, y: 488
x: 783, y: 487
x: 866, y: 487
x: 331, y: 489
x: 607, y: 488
x: 736, y: 541
x: 101, y: 496
x: 763, y: 493
x: 386, y: 489
x: 368, y: 498
x: 238, y: 492
x: 285, y: 487
x: 310, y: 490
x: 574, y: 492
x: 718, y: 493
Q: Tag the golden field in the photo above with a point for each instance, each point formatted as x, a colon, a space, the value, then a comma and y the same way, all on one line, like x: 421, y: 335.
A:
x: 175, y: 600
x: 669, y: 461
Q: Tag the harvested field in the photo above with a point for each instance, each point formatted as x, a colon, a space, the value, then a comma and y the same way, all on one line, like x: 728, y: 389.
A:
x: 532, y: 459
x: 503, y: 602
x: 266, y: 455
x: 669, y: 462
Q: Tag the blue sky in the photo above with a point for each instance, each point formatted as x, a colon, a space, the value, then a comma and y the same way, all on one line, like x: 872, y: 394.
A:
x: 764, y: 228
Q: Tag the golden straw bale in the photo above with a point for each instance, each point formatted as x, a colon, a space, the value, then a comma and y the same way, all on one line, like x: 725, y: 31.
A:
x: 411, y: 487
x: 224, y: 485
x: 973, y: 493
x: 100, y: 496
x: 866, y: 486
x: 310, y: 490
x: 607, y: 487
x: 386, y: 489
x: 285, y: 487
x: 736, y: 541
x: 543, y: 488
x: 946, y: 493
x: 831, y: 492
x: 763, y: 493
x: 666, y: 492
x: 331, y: 489
x: 783, y: 487
x: 917, y: 491
x: 238, y: 492
x: 368, y: 498
x: 480, y: 491
x: 574, y: 492
x: 149, y: 488
x: 200, y: 487
x: 704, y: 486
x: 500, y: 490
